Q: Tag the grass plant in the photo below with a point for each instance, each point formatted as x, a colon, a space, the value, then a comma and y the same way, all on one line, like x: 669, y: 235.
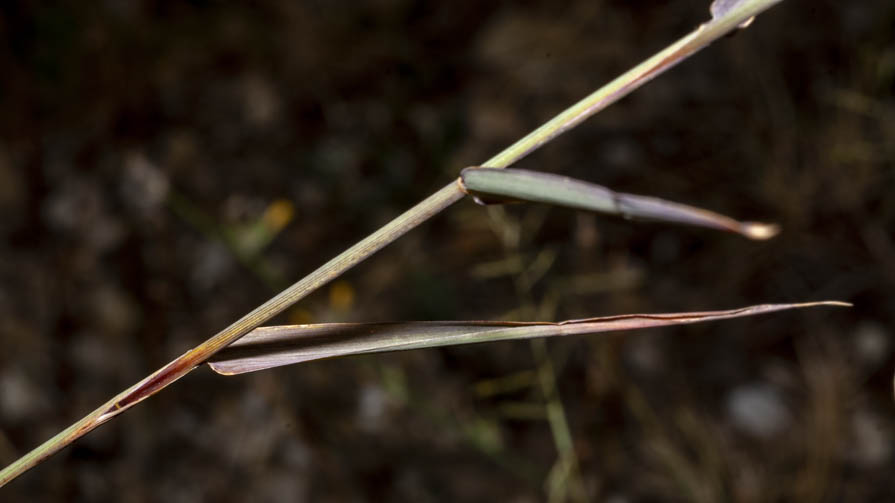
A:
x: 283, y: 345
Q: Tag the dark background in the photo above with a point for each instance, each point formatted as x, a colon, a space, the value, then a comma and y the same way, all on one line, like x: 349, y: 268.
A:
x: 149, y: 149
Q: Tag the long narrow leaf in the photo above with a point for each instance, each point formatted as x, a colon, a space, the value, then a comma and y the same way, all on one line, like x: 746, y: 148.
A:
x: 269, y: 347
x: 493, y: 185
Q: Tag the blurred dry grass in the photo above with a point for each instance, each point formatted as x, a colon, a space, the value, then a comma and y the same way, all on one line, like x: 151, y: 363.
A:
x: 141, y: 140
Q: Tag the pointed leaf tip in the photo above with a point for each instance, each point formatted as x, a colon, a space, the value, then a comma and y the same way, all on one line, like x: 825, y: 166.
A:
x: 759, y: 231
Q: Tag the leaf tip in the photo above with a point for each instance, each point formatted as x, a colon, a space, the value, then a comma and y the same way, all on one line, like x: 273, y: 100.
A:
x: 824, y: 303
x: 837, y: 303
x: 759, y: 231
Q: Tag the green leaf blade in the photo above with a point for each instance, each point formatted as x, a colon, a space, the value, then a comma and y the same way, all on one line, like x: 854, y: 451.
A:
x: 489, y: 185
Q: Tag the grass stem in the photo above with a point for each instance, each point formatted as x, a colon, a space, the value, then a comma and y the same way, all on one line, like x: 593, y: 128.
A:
x: 568, y: 119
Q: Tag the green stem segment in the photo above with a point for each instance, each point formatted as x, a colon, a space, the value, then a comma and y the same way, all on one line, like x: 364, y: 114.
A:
x: 188, y: 361
x: 698, y: 39
x: 563, y: 122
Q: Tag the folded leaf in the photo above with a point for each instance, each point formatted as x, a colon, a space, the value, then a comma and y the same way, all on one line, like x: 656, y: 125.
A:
x: 268, y: 347
x: 489, y: 186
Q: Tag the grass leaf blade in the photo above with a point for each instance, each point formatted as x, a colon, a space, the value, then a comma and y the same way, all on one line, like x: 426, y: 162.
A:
x: 488, y: 185
x: 269, y: 347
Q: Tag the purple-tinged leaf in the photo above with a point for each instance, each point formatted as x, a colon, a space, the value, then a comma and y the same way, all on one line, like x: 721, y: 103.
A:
x: 269, y: 347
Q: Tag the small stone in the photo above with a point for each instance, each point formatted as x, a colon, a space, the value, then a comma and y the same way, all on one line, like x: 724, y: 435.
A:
x: 113, y: 310
x: 19, y: 397
x: 872, y: 443
x: 212, y: 264
x: 872, y: 344
x: 758, y: 410
x: 92, y: 355
x: 144, y: 186
x: 644, y: 354
x: 261, y: 103
x: 74, y: 205
x: 372, y: 407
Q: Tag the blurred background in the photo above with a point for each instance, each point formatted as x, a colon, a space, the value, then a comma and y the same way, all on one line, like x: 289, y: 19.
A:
x: 167, y: 166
